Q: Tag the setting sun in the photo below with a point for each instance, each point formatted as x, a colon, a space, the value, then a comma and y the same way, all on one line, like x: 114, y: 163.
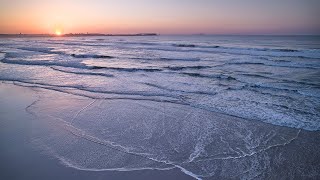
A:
x: 58, y: 33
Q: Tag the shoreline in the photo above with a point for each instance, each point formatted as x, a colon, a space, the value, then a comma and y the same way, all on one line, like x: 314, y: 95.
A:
x: 21, y: 155
x: 20, y: 159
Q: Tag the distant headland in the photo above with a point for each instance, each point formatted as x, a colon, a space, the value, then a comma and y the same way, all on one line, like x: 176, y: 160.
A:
x: 75, y: 35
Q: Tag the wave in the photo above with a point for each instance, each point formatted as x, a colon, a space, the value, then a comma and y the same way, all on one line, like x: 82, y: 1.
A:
x: 272, y: 52
x: 76, y: 64
x: 126, y: 69
x: 51, y: 51
x: 82, y: 73
x: 266, y: 62
x: 166, y: 59
x: 92, y: 93
x: 272, y: 112
x: 287, y: 90
x: 279, y: 79
x: 180, y: 59
x: 193, y: 45
x: 92, y: 56
x: 212, y: 46
x: 139, y: 43
x: 285, y: 50
x: 309, y: 54
x: 41, y: 50
x: 183, y: 45
x: 2, y: 55
x: 220, y: 76
x: 175, y: 95
x: 239, y: 49
x: 254, y: 49
x: 304, y: 66
x: 256, y: 75
x: 92, y: 90
x: 46, y: 63
x: 178, y: 68
x: 76, y: 44
x: 179, y: 90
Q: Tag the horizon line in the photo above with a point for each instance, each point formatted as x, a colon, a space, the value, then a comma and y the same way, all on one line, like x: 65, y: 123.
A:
x: 151, y: 34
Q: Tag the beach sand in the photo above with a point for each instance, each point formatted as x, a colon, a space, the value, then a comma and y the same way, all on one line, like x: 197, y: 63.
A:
x: 21, y: 160
x: 275, y: 152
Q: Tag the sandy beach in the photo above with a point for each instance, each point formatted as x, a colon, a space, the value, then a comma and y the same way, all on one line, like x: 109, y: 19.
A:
x: 34, y: 146
x: 22, y: 159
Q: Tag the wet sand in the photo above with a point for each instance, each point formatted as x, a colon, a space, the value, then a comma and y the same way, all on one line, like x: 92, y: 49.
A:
x: 20, y: 160
x: 287, y: 154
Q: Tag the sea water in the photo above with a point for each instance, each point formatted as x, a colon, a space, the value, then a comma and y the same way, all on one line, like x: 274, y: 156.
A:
x: 274, y: 79
x: 207, y: 105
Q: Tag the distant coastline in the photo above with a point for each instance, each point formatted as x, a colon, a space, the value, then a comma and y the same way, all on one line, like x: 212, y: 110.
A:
x: 154, y: 34
x: 75, y: 35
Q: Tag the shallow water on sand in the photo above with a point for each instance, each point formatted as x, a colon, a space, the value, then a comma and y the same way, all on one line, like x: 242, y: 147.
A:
x: 97, y: 135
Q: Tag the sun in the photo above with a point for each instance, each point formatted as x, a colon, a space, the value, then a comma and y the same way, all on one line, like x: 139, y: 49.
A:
x: 58, y: 32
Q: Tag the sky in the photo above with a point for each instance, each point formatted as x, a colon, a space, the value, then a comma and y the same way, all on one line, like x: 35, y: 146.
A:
x: 161, y: 16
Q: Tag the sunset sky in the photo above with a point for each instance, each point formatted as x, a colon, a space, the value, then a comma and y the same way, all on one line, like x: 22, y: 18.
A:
x: 161, y: 16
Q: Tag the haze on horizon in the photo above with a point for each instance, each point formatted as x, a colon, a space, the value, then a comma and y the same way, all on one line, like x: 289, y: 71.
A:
x: 160, y: 16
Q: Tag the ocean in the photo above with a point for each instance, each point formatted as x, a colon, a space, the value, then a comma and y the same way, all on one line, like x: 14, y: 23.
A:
x: 168, y: 99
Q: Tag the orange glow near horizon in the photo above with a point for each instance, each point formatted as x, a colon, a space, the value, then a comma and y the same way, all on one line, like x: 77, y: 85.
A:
x: 157, y: 16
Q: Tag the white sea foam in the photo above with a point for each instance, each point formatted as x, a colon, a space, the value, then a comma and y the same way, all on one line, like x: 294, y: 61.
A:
x: 274, y: 83
x: 112, y: 135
